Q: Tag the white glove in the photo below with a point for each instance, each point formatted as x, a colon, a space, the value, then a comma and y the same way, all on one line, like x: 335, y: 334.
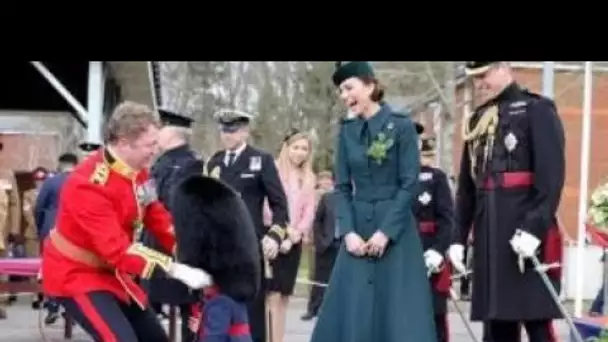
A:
x: 286, y: 246
x: 294, y: 235
x: 524, y: 244
x: 194, y: 278
x: 456, y: 255
x: 433, y: 260
x: 270, y: 247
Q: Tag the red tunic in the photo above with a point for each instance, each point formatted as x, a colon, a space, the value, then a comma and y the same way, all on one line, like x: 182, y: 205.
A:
x: 92, y: 247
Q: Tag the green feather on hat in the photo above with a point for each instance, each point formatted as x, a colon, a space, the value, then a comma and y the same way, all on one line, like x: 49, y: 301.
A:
x: 346, y: 70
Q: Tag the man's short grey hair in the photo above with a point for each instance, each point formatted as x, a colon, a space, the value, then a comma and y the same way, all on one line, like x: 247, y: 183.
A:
x: 182, y: 133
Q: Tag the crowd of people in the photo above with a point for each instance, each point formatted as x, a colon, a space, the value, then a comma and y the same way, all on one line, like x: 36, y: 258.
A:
x: 144, y: 221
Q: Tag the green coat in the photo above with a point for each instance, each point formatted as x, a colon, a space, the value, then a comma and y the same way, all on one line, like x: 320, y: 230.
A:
x: 387, y: 299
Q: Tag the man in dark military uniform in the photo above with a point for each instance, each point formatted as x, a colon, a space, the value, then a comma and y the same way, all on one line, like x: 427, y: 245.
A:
x: 511, y: 178
x: 253, y: 174
x: 175, y: 163
x: 434, y: 211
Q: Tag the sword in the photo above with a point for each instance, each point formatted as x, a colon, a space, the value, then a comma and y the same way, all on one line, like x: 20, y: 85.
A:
x: 541, y: 270
x: 465, y: 321
x: 269, y: 327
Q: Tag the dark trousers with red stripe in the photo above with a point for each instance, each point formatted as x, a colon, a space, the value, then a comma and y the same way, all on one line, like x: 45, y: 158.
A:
x: 106, y: 319
x: 509, y: 331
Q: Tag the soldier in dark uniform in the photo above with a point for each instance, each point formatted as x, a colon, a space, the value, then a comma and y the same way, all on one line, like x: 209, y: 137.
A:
x: 509, y: 186
x: 175, y: 163
x: 434, y: 211
x: 253, y: 174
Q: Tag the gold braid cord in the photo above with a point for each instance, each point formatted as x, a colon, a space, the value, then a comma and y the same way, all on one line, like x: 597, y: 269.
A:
x: 485, y: 127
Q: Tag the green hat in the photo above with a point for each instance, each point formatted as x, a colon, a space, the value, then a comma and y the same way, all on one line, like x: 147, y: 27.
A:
x: 346, y: 70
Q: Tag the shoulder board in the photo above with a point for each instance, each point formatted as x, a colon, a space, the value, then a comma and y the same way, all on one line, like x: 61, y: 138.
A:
x: 535, y: 98
x: 533, y: 95
x: 346, y: 120
x: 100, y: 174
x: 399, y: 114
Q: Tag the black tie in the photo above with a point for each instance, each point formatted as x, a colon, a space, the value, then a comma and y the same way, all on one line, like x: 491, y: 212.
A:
x: 231, y: 157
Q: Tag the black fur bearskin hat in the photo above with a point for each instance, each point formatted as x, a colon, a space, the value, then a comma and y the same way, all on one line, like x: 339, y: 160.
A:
x: 215, y: 232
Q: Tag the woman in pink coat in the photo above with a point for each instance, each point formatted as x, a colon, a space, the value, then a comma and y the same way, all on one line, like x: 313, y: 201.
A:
x: 294, y: 164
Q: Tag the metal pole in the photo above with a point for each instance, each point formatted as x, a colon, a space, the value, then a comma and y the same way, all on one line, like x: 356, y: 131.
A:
x: 447, y: 131
x: 95, y: 102
x: 549, y: 79
x: 151, y: 77
x: 583, y: 188
x: 62, y: 90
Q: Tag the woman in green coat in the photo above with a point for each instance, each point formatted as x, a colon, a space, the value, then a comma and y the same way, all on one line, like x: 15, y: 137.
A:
x: 379, y: 291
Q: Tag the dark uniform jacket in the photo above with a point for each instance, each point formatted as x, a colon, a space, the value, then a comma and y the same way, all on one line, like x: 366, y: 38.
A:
x: 171, y: 167
x: 518, y: 186
x: 255, y: 176
x: 434, y: 211
x: 324, y: 225
x: 222, y: 319
x: 47, y: 202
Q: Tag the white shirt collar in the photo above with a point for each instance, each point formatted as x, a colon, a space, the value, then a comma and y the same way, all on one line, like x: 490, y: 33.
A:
x: 237, y: 153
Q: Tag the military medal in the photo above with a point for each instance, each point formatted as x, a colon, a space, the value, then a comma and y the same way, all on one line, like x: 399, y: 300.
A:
x: 138, y: 228
x: 424, y: 198
x: 255, y: 163
x: 425, y: 176
x: 510, y: 142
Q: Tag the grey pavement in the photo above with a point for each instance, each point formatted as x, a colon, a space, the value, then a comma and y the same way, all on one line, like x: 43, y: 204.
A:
x: 22, y: 326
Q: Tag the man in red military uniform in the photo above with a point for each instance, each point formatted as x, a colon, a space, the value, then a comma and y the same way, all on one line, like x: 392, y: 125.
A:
x: 91, y: 256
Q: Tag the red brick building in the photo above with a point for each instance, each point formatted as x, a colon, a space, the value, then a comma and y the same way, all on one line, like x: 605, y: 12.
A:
x: 569, y: 98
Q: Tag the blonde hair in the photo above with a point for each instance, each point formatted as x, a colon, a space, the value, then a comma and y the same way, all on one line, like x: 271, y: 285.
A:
x: 129, y: 120
x: 284, y: 165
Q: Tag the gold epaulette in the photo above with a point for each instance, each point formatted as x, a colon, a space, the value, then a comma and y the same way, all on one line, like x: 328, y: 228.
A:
x: 487, y: 121
x: 278, y: 230
x: 153, y: 259
x: 100, y: 174
x: 486, y: 126
x: 215, y: 173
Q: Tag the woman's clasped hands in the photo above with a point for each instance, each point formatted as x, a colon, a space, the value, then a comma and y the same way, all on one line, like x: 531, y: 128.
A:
x: 375, y: 246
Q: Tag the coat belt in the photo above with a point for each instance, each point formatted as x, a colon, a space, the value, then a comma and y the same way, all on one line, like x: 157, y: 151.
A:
x: 75, y: 252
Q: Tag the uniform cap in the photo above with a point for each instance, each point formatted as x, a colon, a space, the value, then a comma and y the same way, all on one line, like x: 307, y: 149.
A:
x: 477, y: 68
x: 428, y: 146
x: 87, y: 146
x: 346, y: 70
x: 231, y: 120
x: 170, y: 118
x: 68, y: 158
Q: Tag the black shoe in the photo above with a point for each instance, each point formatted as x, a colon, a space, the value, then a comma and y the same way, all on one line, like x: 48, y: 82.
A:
x: 308, y: 316
x: 36, y: 305
x: 11, y: 299
x: 51, y: 318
